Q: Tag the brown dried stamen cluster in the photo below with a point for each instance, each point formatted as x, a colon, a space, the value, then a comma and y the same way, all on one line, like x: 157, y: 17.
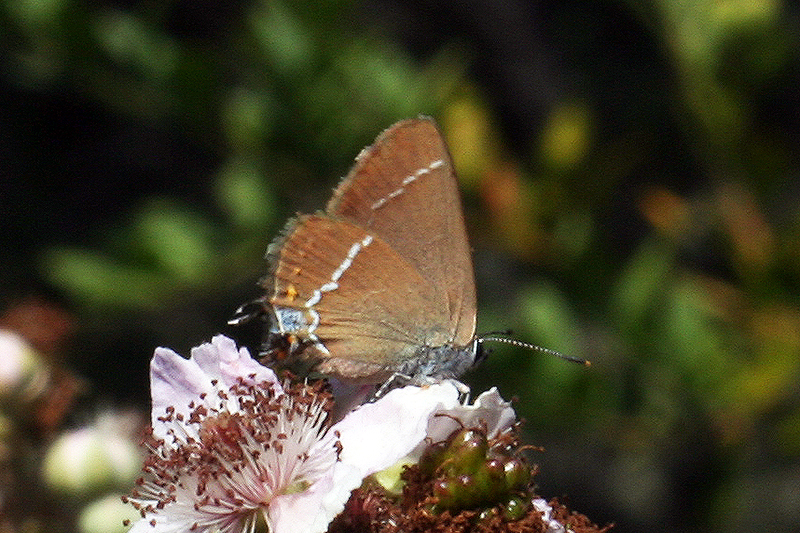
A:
x: 222, y: 463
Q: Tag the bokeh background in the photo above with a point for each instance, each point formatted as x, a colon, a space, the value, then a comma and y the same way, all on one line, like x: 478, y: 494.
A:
x: 630, y: 178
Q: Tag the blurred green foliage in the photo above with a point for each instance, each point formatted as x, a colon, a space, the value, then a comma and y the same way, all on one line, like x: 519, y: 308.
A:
x: 657, y: 235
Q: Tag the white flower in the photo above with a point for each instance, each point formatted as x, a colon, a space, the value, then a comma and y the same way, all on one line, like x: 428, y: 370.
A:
x: 96, y: 456
x: 24, y: 376
x: 230, y: 444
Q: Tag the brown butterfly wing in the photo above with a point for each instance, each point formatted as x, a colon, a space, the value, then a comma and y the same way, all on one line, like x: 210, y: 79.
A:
x: 362, y: 308
x: 403, y: 189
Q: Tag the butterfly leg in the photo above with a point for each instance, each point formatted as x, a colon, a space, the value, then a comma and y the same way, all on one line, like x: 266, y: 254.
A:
x: 395, y: 381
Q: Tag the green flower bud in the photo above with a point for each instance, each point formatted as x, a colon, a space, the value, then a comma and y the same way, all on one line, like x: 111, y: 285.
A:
x: 466, y: 451
x: 517, y: 474
x: 490, y: 481
x: 486, y: 514
x: 431, y: 458
x: 446, y: 494
x: 515, y: 508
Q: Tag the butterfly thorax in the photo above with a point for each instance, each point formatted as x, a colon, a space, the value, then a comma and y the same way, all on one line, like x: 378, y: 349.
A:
x: 432, y: 364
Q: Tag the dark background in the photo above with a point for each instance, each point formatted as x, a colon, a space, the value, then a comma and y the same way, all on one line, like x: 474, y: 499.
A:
x: 629, y: 173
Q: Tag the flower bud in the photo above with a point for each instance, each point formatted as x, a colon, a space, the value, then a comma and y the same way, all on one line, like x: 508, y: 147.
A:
x: 466, y: 451
x: 515, y: 508
x: 490, y: 480
x: 431, y: 458
x: 90, y: 459
x: 517, y: 474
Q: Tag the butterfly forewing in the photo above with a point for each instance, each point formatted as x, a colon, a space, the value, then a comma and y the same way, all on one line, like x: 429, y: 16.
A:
x: 403, y: 189
x: 361, y: 305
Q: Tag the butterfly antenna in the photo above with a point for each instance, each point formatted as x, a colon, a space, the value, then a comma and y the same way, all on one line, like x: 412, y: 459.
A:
x: 535, y: 348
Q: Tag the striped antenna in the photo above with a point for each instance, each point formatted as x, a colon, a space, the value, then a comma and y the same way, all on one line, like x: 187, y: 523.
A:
x: 535, y: 348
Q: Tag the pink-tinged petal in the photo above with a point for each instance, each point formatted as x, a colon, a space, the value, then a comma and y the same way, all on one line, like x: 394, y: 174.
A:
x: 489, y: 410
x: 304, y: 511
x: 221, y: 360
x: 345, y: 479
x: 377, y: 435
x: 176, y: 383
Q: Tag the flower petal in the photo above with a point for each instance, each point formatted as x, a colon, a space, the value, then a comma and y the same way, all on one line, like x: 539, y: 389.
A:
x: 553, y: 525
x: 304, y: 511
x: 489, y: 410
x: 222, y: 361
x: 376, y: 435
x: 175, y: 382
